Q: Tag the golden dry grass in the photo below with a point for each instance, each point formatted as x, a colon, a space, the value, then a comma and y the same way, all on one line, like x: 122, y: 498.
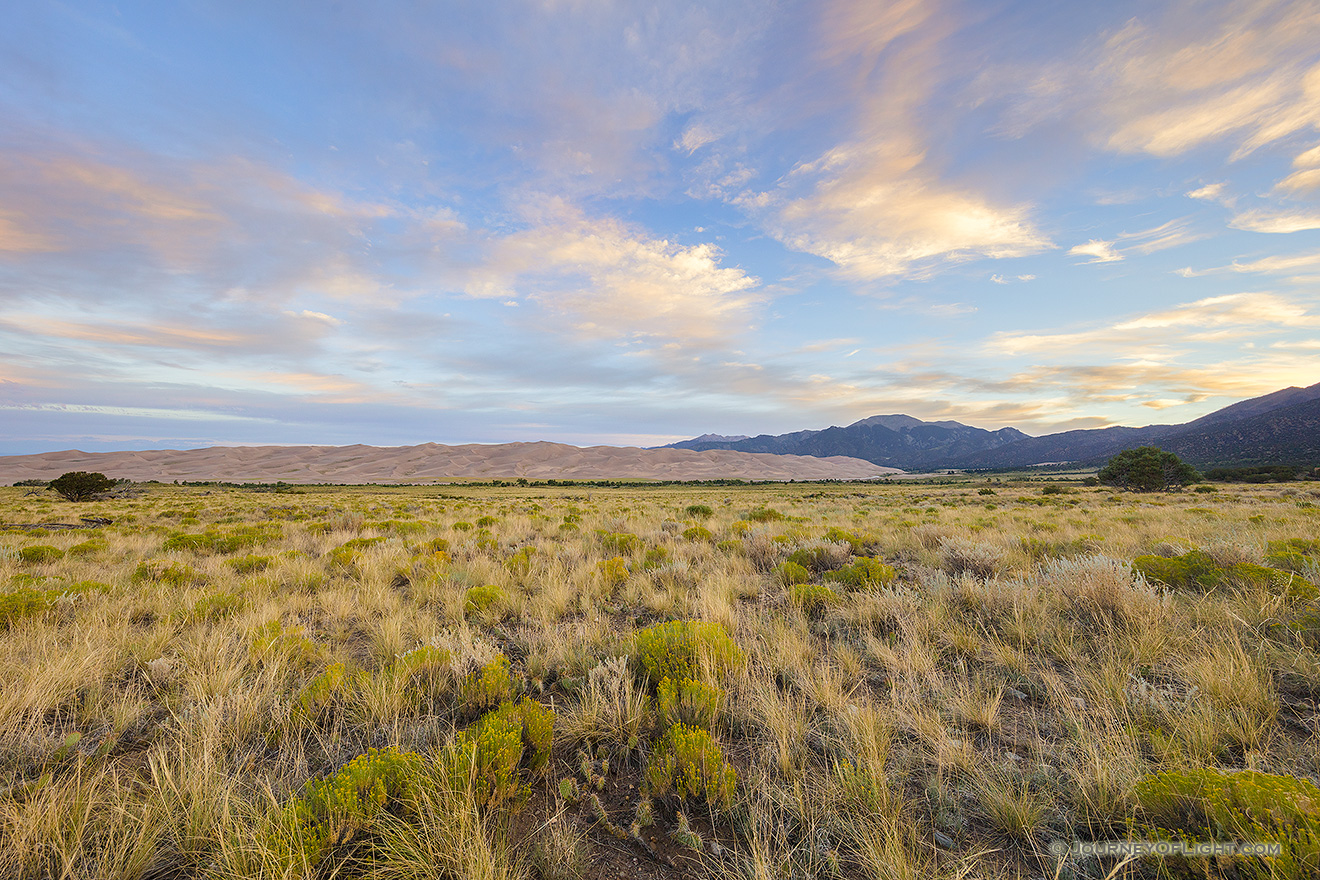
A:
x: 1007, y: 689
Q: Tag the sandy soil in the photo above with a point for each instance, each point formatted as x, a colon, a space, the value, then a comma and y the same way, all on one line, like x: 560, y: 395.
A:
x: 433, y: 462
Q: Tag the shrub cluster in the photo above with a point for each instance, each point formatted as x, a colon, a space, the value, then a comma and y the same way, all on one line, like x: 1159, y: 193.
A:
x: 1214, y: 805
x: 1198, y: 570
x: 681, y: 649
x: 688, y: 762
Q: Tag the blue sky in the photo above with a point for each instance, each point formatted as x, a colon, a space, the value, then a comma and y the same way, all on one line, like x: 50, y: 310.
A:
x: 628, y: 223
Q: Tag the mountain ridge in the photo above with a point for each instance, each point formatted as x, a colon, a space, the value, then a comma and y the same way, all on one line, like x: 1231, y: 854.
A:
x: 1260, y: 430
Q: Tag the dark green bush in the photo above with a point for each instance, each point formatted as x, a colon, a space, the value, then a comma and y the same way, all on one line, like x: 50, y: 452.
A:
x: 763, y: 514
x: 82, y: 485
x: 698, y: 511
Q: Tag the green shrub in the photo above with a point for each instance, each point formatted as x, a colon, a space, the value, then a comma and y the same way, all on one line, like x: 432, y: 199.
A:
x: 698, y: 511
x: 81, y: 485
x: 689, y: 763
x: 622, y: 543
x: 218, y: 543
x: 216, y: 606
x: 763, y: 514
x: 486, y: 522
x: 655, y: 558
x: 462, y: 526
x: 1293, y: 554
x: 250, y: 564
x: 863, y: 573
x: 856, y: 543
x: 327, y: 695
x: 792, y: 573
x: 1213, y: 805
x: 334, y: 811
x: 489, y: 686
x: 479, y: 600
x: 538, y: 731
x: 23, y: 603
x: 814, y: 559
x: 87, y: 548
x: 683, y: 648
x: 813, y: 599
x: 486, y: 756
x: 176, y: 574
x: 271, y: 642
x: 1197, y: 570
x: 40, y: 554
x: 614, y: 571
x: 347, y: 555
x: 689, y: 702
x: 520, y: 563
x: 698, y: 533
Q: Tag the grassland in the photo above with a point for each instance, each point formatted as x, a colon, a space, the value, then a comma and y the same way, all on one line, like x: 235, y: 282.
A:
x: 775, y: 681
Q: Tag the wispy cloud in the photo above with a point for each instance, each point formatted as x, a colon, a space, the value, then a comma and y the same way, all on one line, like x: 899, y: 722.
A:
x: 1278, y: 221
x: 1241, y: 315
x: 1099, y: 251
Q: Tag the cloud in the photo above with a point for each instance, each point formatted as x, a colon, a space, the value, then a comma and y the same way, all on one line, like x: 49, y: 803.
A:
x: 1175, y: 78
x: 1218, y: 318
x: 1282, y: 264
x: 1211, y: 192
x: 1197, y: 74
x: 600, y: 278
x: 1099, y: 251
x: 1307, y: 175
x: 1278, y: 221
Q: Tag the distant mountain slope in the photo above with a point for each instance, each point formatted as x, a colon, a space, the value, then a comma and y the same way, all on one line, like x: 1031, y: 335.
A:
x: 1096, y: 444
x: 430, y: 462
x: 1275, y: 428
x: 893, y: 441
x: 1285, y: 435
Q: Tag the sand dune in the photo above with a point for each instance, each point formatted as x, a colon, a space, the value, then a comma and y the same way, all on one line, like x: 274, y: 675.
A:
x: 431, y: 462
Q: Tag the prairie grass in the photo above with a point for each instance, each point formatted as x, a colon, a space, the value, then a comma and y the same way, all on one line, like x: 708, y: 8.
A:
x: 867, y: 680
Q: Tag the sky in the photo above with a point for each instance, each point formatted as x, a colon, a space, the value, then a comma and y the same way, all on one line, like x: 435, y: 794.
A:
x: 629, y: 223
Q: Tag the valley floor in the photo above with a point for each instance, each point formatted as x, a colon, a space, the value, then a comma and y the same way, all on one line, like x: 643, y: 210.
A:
x: 880, y: 681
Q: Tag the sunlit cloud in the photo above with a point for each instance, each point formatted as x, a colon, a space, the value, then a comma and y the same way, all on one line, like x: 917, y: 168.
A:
x: 1211, y: 192
x: 597, y: 277
x: 1279, y: 221
x: 1241, y: 315
x: 1099, y: 251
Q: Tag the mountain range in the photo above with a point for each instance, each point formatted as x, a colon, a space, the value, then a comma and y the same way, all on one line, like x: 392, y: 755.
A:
x: 1278, y: 428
